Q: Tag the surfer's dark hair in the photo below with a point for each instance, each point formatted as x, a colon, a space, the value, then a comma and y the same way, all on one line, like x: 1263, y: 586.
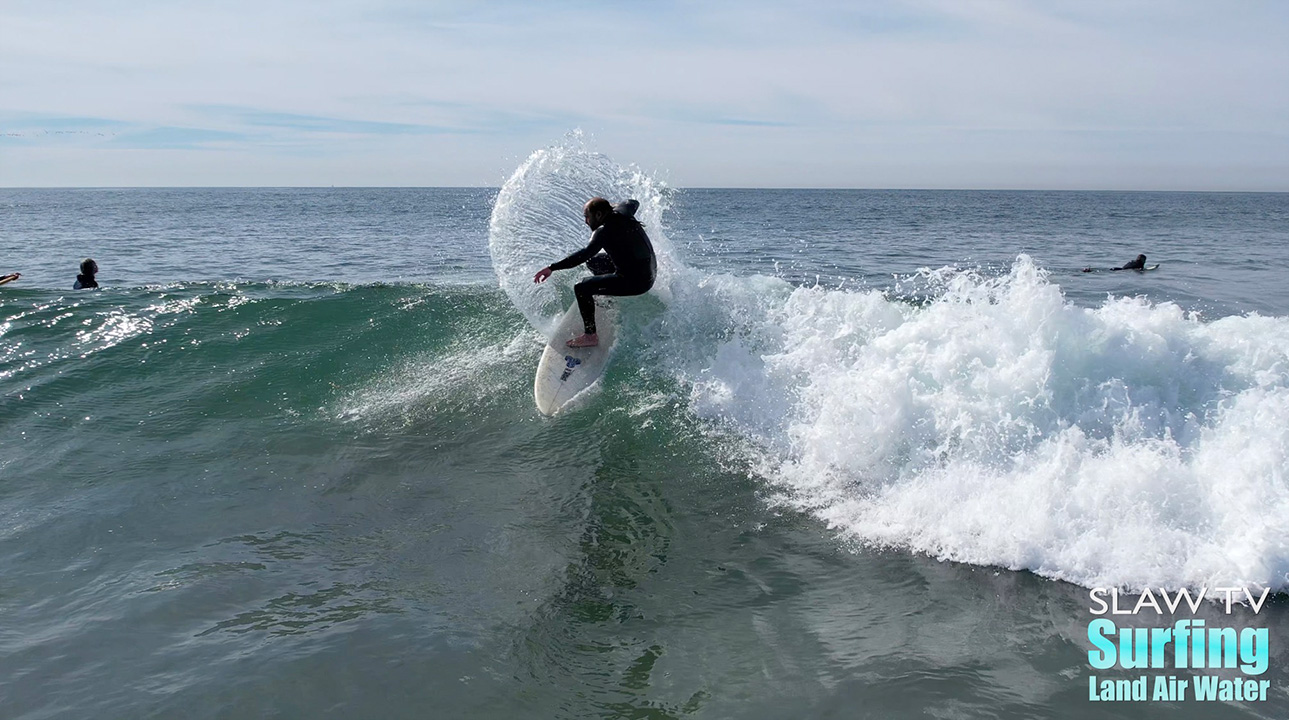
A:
x: 88, y: 266
x: 598, y: 205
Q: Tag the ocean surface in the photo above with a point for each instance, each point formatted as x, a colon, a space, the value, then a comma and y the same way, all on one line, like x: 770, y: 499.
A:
x: 859, y: 453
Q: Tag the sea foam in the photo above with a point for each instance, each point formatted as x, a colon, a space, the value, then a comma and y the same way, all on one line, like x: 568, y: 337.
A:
x: 1131, y: 444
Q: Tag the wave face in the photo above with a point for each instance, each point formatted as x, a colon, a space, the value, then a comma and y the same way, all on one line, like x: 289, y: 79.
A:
x: 991, y: 422
x: 537, y: 219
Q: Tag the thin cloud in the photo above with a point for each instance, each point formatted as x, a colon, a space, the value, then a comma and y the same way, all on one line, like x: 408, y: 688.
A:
x: 177, y: 138
x: 921, y: 93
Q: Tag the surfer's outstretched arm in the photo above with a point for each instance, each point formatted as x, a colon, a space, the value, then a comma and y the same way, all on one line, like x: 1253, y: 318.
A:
x: 581, y: 256
x: 572, y: 261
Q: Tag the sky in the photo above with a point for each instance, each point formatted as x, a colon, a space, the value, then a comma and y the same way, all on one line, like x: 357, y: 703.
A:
x: 1000, y: 94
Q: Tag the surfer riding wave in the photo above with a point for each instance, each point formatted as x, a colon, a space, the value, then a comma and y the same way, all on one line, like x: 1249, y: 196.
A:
x: 628, y: 268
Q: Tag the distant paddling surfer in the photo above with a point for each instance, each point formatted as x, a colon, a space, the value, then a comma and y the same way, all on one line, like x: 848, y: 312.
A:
x: 1137, y: 264
x: 629, y: 268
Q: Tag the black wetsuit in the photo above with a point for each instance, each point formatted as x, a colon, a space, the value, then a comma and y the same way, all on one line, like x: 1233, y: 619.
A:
x: 1138, y: 264
x: 629, y: 268
x: 85, y: 282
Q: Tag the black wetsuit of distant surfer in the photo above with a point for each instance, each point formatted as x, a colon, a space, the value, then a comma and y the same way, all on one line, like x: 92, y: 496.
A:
x: 628, y: 268
x: 1139, y: 263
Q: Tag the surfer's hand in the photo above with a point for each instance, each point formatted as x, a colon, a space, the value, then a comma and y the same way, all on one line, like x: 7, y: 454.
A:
x: 542, y: 274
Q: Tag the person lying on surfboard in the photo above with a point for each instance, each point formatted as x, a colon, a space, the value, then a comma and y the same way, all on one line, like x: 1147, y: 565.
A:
x: 1137, y: 264
x: 629, y: 268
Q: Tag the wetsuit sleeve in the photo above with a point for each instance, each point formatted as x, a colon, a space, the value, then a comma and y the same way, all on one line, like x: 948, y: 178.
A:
x: 581, y: 256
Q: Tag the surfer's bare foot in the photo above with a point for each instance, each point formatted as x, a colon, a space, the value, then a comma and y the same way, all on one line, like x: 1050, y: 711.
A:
x: 590, y: 340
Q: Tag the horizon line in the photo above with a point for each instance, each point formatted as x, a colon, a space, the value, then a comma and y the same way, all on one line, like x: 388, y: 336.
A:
x: 676, y: 187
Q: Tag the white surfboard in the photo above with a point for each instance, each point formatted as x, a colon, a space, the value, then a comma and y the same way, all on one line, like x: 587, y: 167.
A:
x: 564, y: 371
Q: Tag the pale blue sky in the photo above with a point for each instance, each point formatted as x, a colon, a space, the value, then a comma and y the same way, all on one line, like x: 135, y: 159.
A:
x: 1125, y: 94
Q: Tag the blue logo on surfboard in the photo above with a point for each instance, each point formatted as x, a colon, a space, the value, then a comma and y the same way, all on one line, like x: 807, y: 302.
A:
x: 570, y: 363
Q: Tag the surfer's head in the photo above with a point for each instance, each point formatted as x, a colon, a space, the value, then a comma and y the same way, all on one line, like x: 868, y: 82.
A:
x: 89, y: 267
x: 596, y: 211
x: 1141, y: 259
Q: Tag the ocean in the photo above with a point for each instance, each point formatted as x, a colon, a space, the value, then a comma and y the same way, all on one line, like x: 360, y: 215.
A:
x: 859, y: 454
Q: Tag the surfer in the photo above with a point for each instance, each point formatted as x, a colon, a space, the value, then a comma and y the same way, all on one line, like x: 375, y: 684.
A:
x: 86, y: 280
x: 1139, y: 263
x: 9, y: 278
x: 628, y: 269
